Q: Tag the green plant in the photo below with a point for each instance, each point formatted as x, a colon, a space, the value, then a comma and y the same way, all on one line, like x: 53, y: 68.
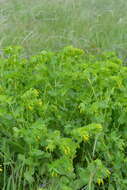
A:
x: 62, y: 121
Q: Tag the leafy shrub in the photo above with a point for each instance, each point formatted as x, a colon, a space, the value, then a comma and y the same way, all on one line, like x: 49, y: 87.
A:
x: 63, y: 119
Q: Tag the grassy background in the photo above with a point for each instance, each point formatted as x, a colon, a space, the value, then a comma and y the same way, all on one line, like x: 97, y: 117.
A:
x: 53, y: 24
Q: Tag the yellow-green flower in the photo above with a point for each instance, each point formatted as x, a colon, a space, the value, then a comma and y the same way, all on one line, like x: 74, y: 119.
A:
x: 30, y: 108
x: 38, y: 138
x: 67, y: 150
x: 85, y: 138
x: 54, y: 174
x: 108, y: 172
x: 100, y: 181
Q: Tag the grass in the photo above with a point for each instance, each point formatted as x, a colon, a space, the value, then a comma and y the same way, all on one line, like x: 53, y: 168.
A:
x: 53, y: 24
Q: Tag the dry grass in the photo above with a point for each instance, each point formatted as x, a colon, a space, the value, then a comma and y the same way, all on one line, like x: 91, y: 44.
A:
x: 52, y: 24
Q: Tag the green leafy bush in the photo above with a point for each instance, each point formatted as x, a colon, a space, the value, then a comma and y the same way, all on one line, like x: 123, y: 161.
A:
x: 63, y: 121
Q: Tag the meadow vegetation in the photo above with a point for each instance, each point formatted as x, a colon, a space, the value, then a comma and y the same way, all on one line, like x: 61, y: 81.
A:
x: 63, y: 121
x: 54, y: 24
x: 63, y: 108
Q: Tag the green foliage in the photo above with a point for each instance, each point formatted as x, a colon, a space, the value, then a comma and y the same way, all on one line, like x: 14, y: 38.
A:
x: 62, y: 121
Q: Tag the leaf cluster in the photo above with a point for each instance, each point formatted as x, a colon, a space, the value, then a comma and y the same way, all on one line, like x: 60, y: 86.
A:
x: 63, y: 119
